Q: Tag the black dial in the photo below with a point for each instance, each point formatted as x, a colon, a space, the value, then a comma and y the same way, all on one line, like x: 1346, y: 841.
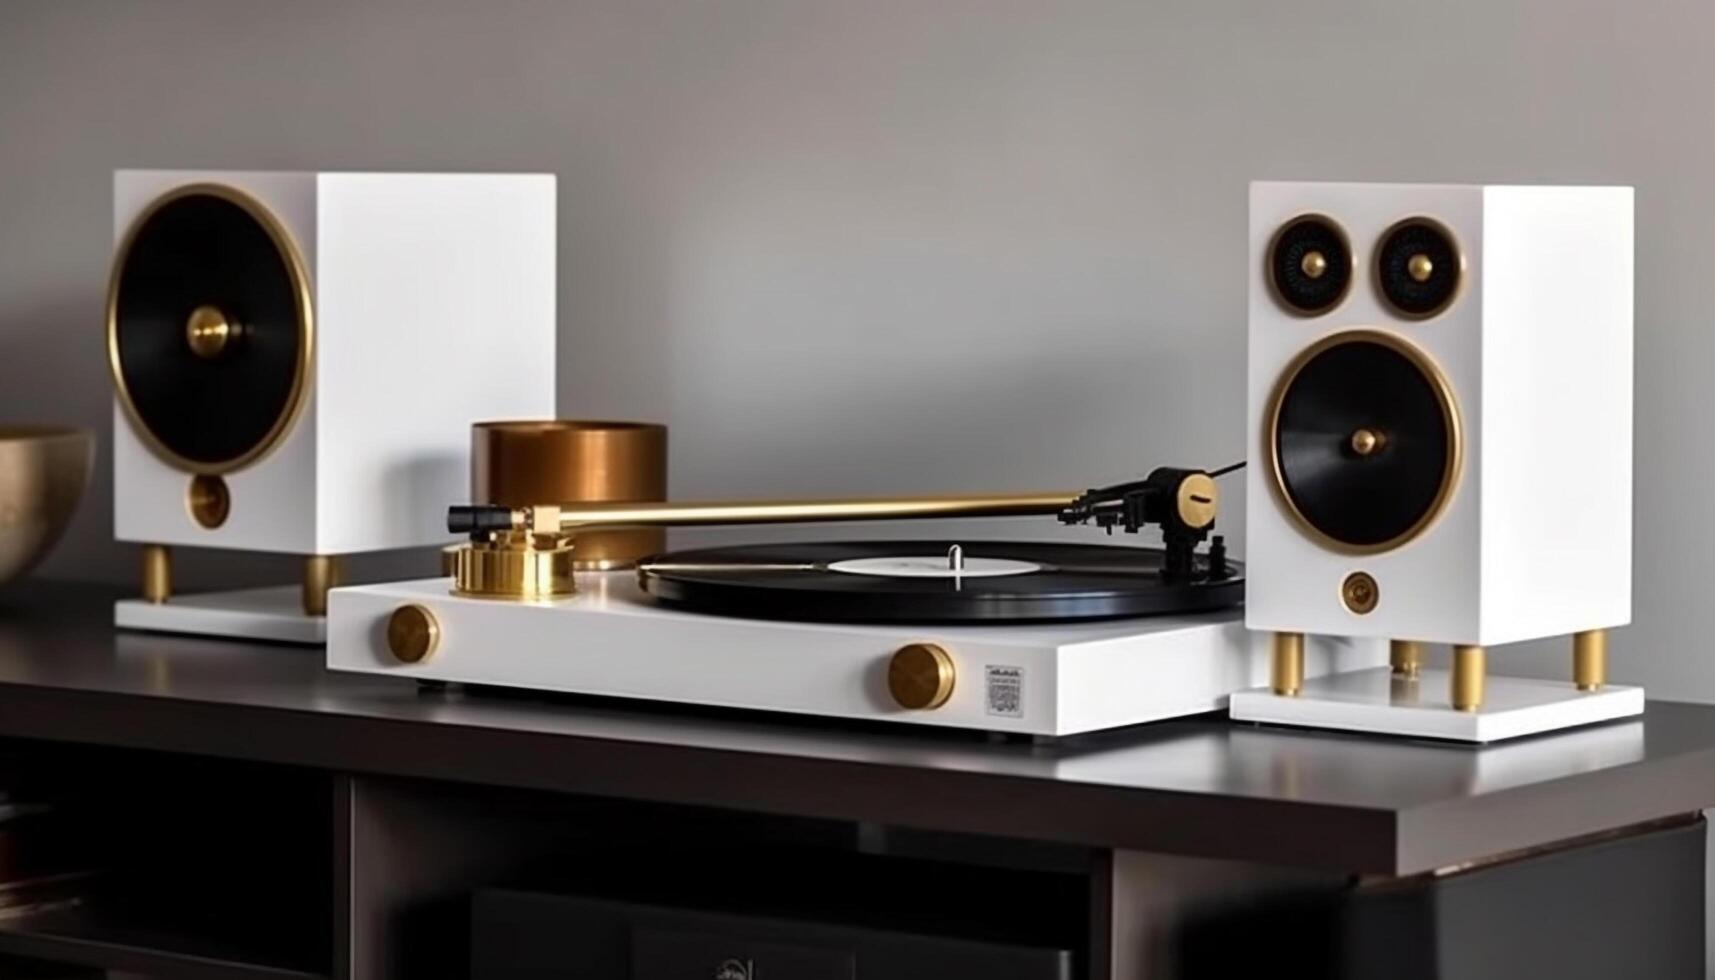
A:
x: 209, y: 329
x: 1309, y: 265
x: 1418, y: 267
x: 1365, y: 440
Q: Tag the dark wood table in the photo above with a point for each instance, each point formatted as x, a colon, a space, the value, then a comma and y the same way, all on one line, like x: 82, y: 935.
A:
x: 1198, y: 807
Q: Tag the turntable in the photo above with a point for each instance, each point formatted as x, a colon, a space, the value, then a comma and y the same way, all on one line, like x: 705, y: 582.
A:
x: 1029, y: 638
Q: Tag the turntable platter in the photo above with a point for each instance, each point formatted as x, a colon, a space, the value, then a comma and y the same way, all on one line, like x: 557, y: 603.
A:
x: 916, y: 582
x: 209, y: 328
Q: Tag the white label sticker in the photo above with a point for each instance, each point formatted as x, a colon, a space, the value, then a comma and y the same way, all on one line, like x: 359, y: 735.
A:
x: 1005, y: 690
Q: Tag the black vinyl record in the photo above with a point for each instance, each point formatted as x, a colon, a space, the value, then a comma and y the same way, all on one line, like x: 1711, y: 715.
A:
x: 218, y: 251
x: 910, y: 582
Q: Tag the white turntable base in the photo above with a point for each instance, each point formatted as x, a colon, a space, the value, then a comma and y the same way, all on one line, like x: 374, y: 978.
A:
x: 613, y: 640
x: 273, y: 613
x: 1375, y: 701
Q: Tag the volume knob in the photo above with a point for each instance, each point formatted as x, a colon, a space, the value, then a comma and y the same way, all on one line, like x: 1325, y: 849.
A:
x: 412, y: 633
x: 920, y: 676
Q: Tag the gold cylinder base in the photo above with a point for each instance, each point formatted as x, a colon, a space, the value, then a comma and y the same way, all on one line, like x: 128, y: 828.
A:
x: 321, y: 573
x: 518, y: 464
x: 514, y: 567
x: 157, y: 573
x: 1405, y: 657
x: 1287, y: 673
x: 1590, y: 659
x: 1468, y: 670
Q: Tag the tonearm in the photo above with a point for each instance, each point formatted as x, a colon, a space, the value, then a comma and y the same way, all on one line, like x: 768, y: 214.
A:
x: 527, y: 552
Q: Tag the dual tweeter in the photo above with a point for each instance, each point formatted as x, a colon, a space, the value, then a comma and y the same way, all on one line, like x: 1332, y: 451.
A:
x: 1418, y: 268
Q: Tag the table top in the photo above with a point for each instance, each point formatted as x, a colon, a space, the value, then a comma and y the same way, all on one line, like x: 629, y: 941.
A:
x: 1199, y: 786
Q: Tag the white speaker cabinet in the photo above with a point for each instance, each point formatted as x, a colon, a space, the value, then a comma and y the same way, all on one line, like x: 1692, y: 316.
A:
x: 1440, y: 410
x: 297, y: 359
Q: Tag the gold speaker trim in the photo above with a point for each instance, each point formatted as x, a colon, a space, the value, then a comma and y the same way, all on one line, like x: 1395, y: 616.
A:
x: 300, y: 277
x: 1459, y: 268
x: 1268, y: 265
x: 1449, y: 413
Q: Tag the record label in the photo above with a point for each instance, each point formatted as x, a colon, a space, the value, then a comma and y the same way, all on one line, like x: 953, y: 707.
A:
x: 923, y: 566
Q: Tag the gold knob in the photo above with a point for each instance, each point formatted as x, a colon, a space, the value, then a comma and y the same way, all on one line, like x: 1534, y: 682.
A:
x: 920, y: 676
x: 1198, y: 500
x: 413, y: 633
x: 1367, y: 441
x: 1419, y: 267
x: 1314, y: 264
x: 208, y: 332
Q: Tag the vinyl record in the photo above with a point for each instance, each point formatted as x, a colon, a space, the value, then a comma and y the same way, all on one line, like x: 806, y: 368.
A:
x: 209, y: 328
x: 912, y: 582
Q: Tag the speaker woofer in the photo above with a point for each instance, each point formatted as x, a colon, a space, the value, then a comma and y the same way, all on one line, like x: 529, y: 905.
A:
x: 1309, y: 265
x: 1364, y: 441
x: 1419, y: 267
x: 209, y: 328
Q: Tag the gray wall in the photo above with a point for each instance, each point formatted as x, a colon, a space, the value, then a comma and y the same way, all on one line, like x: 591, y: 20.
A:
x: 892, y: 245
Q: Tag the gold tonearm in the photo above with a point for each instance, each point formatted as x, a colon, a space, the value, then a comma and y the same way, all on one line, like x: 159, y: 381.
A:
x: 527, y: 552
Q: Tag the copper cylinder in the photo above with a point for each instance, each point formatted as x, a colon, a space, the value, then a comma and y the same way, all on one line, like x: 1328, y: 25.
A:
x: 517, y: 464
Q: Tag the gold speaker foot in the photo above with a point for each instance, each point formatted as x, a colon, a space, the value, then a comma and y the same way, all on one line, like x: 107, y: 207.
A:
x: 321, y: 573
x: 157, y: 573
x: 1590, y: 659
x: 1468, y: 669
x: 1287, y: 674
x: 1405, y: 657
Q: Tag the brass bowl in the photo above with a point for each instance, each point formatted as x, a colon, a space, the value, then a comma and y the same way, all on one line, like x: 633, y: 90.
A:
x: 43, y: 471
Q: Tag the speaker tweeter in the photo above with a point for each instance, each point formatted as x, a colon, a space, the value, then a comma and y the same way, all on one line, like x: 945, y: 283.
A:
x: 1310, y: 265
x: 1419, y: 267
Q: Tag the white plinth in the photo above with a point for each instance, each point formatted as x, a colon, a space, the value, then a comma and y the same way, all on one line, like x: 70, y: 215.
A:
x: 274, y: 613
x: 1377, y: 702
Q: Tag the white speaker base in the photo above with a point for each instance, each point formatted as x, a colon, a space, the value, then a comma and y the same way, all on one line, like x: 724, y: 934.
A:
x: 1375, y: 701
x: 273, y: 613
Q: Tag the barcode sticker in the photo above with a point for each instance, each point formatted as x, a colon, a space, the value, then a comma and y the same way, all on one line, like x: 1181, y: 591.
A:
x: 1005, y: 691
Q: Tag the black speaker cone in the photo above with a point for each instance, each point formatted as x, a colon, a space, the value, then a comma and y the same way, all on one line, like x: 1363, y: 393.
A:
x: 1364, y: 440
x: 1310, y: 265
x: 1418, y: 267
x: 209, y: 328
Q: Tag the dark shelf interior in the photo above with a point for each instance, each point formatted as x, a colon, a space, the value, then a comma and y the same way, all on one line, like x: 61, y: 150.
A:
x: 83, y: 937
x: 197, y: 867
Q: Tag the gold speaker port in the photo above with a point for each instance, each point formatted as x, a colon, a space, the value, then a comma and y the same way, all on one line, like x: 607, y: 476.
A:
x: 1360, y: 593
x: 208, y: 501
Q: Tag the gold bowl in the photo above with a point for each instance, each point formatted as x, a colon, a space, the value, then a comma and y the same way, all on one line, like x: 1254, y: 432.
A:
x: 43, y: 470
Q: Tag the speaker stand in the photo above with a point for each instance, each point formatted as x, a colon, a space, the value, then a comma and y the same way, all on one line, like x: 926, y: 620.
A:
x: 273, y: 613
x: 284, y: 614
x: 1382, y: 701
